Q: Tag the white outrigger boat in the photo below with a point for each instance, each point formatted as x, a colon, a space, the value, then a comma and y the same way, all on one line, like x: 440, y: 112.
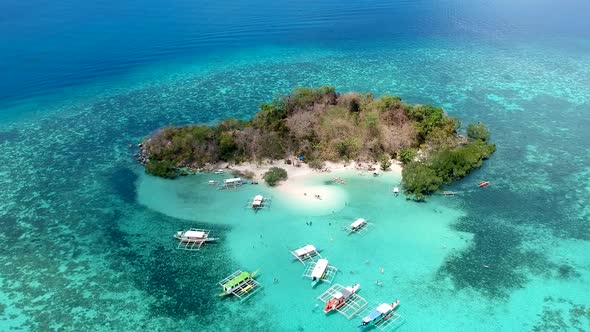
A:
x: 231, y: 183
x: 357, y: 224
x: 319, y: 271
x: 340, y: 298
x: 396, y: 191
x: 306, y: 252
x: 378, y: 315
x: 193, y: 238
x: 258, y: 202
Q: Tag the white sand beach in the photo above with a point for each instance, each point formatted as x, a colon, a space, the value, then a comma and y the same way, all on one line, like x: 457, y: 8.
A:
x: 298, y: 186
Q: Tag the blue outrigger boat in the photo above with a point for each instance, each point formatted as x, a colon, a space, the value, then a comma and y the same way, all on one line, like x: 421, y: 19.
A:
x: 378, y: 315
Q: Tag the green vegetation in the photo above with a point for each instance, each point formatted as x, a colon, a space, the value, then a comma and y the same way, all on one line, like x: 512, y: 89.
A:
x: 420, y: 180
x: 323, y: 125
x: 384, y: 162
x: 275, y: 175
x: 407, y: 155
x: 165, y: 169
x: 478, y: 131
x: 316, y: 164
x: 425, y: 177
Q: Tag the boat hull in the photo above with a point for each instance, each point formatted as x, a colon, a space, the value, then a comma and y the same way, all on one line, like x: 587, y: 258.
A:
x: 205, y: 240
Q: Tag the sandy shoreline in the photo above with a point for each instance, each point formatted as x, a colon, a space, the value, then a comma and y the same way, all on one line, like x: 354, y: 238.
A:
x: 297, y: 185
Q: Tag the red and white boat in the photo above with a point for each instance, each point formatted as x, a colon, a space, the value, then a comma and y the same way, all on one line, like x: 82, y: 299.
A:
x: 340, y: 298
x: 483, y: 184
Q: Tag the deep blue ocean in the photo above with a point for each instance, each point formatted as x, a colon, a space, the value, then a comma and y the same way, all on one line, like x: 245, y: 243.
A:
x: 81, y: 83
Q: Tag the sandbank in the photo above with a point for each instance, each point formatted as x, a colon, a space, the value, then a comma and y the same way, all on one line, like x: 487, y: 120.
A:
x: 303, y: 188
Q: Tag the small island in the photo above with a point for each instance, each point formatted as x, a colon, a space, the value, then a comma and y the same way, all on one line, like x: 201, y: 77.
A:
x: 320, y: 125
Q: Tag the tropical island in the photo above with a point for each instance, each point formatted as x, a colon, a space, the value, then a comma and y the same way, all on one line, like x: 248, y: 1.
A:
x: 320, y: 125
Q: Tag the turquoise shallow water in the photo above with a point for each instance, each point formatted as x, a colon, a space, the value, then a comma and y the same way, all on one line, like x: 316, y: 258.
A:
x: 86, y: 237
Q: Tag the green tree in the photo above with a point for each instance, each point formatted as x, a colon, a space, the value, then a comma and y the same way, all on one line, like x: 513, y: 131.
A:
x: 426, y: 118
x: 419, y: 180
x: 165, y: 169
x: 387, y: 102
x: 385, y: 161
x: 478, y: 131
x: 407, y: 155
x: 275, y: 175
x: 227, y: 145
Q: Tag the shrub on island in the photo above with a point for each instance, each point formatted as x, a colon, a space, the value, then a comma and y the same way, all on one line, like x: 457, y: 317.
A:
x: 421, y: 178
x: 165, y: 169
x: 407, y: 155
x: 478, y: 131
x: 384, y: 162
x: 316, y: 164
x: 274, y: 175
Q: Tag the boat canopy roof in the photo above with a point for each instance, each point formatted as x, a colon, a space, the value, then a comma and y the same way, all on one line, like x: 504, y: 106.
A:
x: 258, y: 198
x: 358, y: 222
x: 232, y: 180
x: 384, y: 308
x: 238, y: 279
x: 319, y: 268
x: 371, y: 316
x: 305, y: 250
x: 343, y: 294
x: 194, y: 234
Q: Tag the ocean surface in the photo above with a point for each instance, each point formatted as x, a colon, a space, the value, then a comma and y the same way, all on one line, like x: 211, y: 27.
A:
x: 86, y: 237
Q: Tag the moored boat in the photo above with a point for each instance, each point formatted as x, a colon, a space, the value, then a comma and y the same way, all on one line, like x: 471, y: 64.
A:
x: 237, y: 283
x: 305, y: 252
x: 357, y: 224
x: 257, y: 202
x: 340, y: 298
x: 483, y: 184
x: 379, y: 314
x: 194, y: 235
x: 319, y: 271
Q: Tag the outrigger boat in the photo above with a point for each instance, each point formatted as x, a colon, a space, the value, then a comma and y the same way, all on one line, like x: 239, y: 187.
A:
x: 232, y: 183
x: 306, y: 252
x: 357, y: 224
x: 257, y: 202
x: 319, y: 271
x: 194, y: 235
x: 340, y: 298
x: 396, y: 191
x: 378, y: 315
x: 483, y: 184
x: 241, y: 282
